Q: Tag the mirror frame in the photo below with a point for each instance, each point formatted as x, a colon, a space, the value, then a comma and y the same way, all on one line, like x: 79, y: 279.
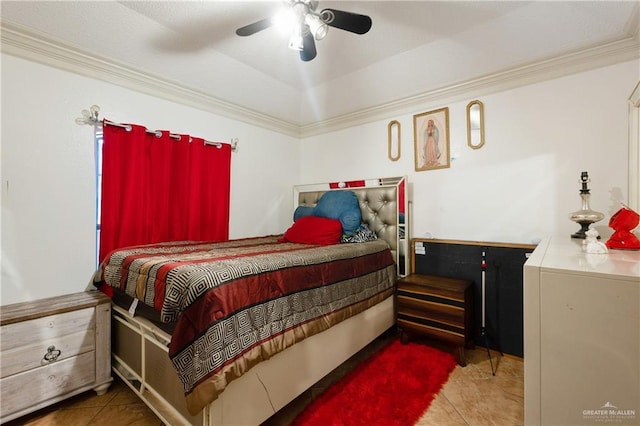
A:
x: 395, y: 124
x: 634, y: 149
x: 481, y: 124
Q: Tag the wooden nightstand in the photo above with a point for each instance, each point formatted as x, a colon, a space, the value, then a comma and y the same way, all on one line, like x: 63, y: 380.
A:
x: 52, y: 349
x: 436, y: 307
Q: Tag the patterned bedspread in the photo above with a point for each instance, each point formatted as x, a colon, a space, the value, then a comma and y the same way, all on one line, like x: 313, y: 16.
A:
x: 239, y: 302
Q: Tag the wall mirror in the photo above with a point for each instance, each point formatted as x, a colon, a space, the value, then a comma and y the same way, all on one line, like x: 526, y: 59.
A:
x: 634, y: 149
x: 393, y: 143
x: 475, y: 124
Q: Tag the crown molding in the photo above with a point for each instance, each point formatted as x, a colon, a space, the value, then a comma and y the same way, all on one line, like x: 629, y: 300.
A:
x: 18, y: 41
x: 610, y: 53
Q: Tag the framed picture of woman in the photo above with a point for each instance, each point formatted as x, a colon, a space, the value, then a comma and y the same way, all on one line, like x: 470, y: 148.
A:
x: 431, y: 136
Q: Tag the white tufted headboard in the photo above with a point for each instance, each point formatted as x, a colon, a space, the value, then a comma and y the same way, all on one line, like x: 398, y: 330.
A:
x: 380, y: 207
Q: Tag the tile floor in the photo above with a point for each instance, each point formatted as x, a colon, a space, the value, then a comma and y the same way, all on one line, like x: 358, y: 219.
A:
x: 118, y: 407
x: 472, y: 396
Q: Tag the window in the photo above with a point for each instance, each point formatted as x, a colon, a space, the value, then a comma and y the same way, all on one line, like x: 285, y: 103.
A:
x: 98, y: 154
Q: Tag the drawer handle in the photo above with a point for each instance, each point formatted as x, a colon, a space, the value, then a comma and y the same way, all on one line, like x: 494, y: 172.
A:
x: 52, y: 354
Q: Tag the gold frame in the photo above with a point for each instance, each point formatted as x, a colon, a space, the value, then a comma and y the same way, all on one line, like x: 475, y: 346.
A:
x: 480, y: 128
x: 440, y: 156
x: 390, y: 126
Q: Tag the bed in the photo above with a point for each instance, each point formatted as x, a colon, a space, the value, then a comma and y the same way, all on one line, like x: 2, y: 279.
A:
x: 196, y: 358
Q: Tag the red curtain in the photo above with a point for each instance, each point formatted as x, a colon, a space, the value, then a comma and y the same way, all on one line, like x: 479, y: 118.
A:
x: 156, y: 188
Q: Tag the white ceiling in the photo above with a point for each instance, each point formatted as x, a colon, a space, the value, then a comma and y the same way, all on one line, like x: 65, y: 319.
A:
x: 413, y: 47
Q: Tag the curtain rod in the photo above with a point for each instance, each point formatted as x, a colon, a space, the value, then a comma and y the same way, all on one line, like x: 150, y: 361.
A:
x: 90, y: 117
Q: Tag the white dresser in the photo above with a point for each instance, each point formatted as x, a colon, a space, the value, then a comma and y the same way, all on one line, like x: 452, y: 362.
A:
x: 581, y: 335
x: 51, y: 349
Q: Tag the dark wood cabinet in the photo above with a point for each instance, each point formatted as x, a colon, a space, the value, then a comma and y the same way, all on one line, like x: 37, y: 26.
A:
x: 436, y: 307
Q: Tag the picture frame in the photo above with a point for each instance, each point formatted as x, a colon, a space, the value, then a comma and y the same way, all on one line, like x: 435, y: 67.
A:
x: 431, y: 140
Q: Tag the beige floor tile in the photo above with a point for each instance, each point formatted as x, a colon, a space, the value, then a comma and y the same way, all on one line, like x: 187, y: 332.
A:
x: 119, y: 406
x: 479, y: 366
x: 65, y: 417
x: 441, y: 412
x: 131, y: 415
x: 125, y: 396
x: 92, y: 399
x: 492, y: 401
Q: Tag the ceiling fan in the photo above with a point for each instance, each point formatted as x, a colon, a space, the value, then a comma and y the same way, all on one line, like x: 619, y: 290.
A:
x: 307, y: 25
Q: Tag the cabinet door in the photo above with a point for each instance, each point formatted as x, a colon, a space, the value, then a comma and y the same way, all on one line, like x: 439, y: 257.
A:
x: 503, y: 285
x: 590, y: 348
x: 504, y: 296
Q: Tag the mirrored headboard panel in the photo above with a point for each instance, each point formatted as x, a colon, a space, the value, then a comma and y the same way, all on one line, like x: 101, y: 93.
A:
x: 384, y: 205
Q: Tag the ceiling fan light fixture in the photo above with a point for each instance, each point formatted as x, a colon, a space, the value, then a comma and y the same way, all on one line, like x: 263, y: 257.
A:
x: 299, y: 11
x: 304, y: 25
x: 327, y: 16
x: 284, y: 21
x: 296, y: 42
x: 318, y: 28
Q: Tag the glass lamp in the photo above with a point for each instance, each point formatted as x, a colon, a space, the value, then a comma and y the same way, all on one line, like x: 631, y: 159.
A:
x: 585, y: 216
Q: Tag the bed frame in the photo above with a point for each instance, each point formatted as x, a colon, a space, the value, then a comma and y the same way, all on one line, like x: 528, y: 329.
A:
x: 380, y: 204
x: 140, y: 347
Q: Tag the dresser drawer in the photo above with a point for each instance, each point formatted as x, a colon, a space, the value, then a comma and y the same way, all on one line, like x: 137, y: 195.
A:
x: 26, y: 389
x: 24, y: 345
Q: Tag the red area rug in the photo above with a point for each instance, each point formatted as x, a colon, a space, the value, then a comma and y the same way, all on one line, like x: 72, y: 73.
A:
x: 393, y: 387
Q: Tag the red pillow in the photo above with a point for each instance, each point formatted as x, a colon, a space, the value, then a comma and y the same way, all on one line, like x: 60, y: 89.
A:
x: 314, y: 230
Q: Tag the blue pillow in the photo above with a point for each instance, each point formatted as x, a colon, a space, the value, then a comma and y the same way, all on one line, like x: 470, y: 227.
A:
x: 341, y: 205
x: 302, y: 211
x: 351, y: 220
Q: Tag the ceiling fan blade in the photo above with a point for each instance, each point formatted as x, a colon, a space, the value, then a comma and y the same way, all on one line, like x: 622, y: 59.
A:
x: 308, y: 51
x: 250, y: 29
x: 348, y: 21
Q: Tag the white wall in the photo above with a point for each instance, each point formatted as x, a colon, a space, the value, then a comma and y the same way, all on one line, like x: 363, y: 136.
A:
x: 520, y: 186
x: 523, y: 184
x: 48, y: 169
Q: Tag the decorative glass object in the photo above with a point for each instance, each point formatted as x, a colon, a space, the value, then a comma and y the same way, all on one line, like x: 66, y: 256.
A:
x: 585, y: 216
x: 623, y: 222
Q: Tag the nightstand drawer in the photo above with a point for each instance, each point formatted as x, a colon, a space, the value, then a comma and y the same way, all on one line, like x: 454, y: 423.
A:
x: 436, y: 307
x: 67, y: 335
x: 52, y: 349
x: 38, y: 354
x: 443, y: 289
x: 26, y: 389
x: 454, y: 336
x: 50, y: 327
x: 448, y: 314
